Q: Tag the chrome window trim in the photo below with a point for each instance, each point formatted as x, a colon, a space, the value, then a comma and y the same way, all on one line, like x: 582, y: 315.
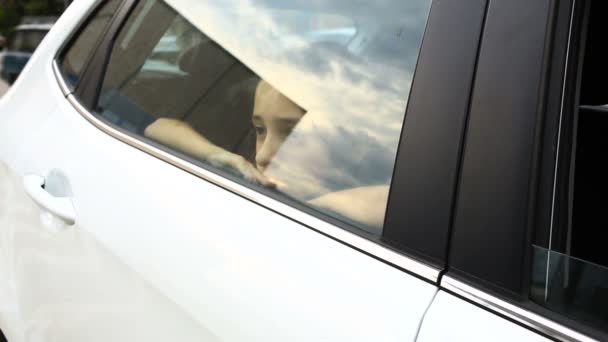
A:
x: 350, y: 239
x: 62, y: 84
x: 527, y: 318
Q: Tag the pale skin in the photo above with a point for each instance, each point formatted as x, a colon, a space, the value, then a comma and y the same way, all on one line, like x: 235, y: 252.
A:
x: 274, y: 117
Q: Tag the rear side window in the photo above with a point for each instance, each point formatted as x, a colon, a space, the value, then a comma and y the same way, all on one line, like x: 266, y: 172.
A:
x: 73, y: 60
x: 301, y: 100
x: 26, y: 40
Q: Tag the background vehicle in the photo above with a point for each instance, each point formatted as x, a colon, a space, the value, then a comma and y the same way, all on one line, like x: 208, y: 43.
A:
x: 21, y: 44
x: 433, y: 173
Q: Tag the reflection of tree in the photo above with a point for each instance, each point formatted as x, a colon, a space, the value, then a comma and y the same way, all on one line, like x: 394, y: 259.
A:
x: 12, y: 11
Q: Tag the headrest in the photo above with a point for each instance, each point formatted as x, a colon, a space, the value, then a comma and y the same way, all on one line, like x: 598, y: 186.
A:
x: 204, y: 56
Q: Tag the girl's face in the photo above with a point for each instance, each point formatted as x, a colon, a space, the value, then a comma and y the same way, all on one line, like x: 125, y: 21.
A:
x: 274, y: 117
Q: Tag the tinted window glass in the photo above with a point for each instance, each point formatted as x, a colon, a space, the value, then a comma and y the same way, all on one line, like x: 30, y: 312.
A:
x: 571, y: 276
x: 303, y: 99
x: 572, y: 286
x: 75, y: 57
x: 26, y: 40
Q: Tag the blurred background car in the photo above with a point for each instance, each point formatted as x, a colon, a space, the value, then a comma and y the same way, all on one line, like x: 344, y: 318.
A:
x: 13, y: 15
x: 20, y: 45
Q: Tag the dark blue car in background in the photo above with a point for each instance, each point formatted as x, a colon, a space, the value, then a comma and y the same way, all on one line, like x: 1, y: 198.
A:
x: 21, y: 44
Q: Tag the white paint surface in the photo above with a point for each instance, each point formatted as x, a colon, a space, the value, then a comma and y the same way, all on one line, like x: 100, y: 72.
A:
x: 453, y: 319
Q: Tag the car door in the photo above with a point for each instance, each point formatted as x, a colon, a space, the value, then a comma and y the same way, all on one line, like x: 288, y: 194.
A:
x: 115, y: 233
x: 58, y: 283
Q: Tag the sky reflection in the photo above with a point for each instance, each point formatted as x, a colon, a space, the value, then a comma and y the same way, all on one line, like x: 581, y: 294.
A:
x: 355, y: 94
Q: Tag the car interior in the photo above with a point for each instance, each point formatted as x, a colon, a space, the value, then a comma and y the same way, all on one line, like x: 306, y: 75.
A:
x: 205, y: 94
x: 575, y: 275
x: 206, y: 90
x: 589, y: 182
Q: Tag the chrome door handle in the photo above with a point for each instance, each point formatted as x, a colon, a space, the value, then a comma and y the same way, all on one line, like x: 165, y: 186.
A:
x: 61, y: 207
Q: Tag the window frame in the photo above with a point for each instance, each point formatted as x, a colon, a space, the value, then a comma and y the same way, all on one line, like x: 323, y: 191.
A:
x: 504, y: 291
x: 414, y: 257
x: 424, y: 184
x: 71, y: 39
x: 89, y: 87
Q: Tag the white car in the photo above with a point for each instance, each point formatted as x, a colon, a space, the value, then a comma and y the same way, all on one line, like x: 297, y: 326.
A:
x: 350, y: 171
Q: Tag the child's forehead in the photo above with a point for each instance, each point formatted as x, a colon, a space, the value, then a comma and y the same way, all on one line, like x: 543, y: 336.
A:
x: 266, y: 96
x: 264, y: 88
x: 269, y: 99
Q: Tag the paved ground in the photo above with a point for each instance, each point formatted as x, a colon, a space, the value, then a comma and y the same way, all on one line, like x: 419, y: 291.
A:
x: 3, y: 88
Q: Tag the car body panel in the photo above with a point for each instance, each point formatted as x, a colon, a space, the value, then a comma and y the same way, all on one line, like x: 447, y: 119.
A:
x: 61, y: 285
x: 222, y: 269
x: 453, y: 319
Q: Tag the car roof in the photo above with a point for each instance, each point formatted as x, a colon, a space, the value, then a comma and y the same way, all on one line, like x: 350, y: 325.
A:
x: 25, y: 27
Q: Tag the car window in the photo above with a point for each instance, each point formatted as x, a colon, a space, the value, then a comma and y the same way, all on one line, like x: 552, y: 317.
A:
x: 73, y: 60
x: 163, y: 61
x: 26, y: 40
x: 570, y: 275
x: 303, y: 100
